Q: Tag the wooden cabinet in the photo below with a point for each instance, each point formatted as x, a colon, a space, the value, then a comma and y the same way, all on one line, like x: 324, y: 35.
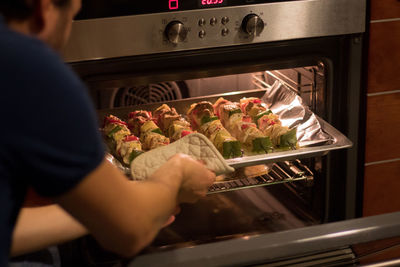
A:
x: 382, y: 157
x: 384, y: 56
x: 383, y: 128
x: 385, y: 9
x: 381, y: 188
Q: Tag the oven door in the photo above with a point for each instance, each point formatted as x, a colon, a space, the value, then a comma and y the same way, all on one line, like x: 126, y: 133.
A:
x: 333, y: 244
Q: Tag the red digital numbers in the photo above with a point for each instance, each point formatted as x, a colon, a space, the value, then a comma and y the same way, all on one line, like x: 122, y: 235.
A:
x: 211, y: 2
x: 173, y: 4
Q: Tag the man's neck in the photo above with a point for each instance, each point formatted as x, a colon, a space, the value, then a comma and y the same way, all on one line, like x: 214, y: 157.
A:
x: 20, y: 26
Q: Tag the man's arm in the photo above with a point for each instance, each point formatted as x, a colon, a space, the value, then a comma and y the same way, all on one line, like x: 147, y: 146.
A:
x: 125, y: 216
x: 40, y: 227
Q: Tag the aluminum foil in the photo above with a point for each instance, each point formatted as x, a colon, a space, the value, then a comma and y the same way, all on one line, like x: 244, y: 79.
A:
x: 295, y: 114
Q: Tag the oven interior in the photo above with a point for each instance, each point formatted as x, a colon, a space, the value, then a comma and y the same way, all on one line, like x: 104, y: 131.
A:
x: 261, y: 199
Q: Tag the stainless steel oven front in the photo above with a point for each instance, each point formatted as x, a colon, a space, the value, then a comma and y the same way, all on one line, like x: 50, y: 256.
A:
x: 135, y: 54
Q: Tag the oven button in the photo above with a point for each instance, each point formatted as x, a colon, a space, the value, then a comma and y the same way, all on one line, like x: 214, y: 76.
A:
x: 202, y: 22
x: 224, y: 20
x: 224, y: 32
x: 202, y: 33
x: 252, y: 24
x: 176, y: 32
x: 213, y: 21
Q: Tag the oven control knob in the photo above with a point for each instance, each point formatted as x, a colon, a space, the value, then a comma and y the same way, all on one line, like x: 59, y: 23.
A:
x: 176, y: 32
x: 252, y: 24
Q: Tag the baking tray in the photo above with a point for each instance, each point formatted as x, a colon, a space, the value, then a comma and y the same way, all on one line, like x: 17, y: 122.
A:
x: 327, y: 139
x: 337, y: 141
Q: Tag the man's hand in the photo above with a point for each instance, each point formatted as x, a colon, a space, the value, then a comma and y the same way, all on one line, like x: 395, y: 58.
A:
x: 171, y: 219
x: 125, y: 216
x: 194, y: 177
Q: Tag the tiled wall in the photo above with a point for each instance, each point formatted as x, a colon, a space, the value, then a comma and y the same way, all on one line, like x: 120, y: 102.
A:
x: 382, y: 159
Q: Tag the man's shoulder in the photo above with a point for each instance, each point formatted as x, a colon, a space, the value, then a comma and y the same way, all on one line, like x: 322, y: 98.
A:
x: 20, y: 52
x: 12, y: 43
x: 26, y: 61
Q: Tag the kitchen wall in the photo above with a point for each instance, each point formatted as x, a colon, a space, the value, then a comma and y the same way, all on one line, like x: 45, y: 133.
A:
x: 382, y: 155
x: 382, y: 159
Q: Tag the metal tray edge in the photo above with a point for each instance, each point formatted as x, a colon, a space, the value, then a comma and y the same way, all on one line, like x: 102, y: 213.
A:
x: 340, y: 141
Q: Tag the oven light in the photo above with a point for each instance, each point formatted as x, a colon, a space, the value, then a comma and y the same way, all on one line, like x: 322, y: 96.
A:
x: 173, y: 4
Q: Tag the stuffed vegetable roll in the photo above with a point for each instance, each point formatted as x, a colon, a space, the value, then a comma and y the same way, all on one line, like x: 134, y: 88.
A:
x: 281, y: 136
x: 269, y: 123
x: 115, y: 128
x: 123, y: 144
x: 150, y: 134
x: 252, y: 106
x: 171, y: 123
x: 136, y: 119
x: 202, y: 118
x: 129, y: 148
x: 241, y: 127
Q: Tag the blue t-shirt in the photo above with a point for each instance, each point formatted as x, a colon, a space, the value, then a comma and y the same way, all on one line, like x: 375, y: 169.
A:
x: 49, y: 137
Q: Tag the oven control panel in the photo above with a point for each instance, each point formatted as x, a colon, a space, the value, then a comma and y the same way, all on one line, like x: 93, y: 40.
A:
x: 200, y: 29
x: 165, y: 32
x: 212, y: 28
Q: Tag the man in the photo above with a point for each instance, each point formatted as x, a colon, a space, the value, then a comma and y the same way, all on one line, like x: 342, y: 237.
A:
x: 49, y: 141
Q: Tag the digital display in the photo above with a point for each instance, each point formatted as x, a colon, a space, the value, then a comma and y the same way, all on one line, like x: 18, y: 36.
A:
x: 174, y: 4
x: 212, y: 3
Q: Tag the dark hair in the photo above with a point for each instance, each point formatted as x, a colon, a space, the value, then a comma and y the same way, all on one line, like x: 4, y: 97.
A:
x: 22, y: 9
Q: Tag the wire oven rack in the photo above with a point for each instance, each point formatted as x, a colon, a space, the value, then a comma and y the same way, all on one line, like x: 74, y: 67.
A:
x: 280, y: 172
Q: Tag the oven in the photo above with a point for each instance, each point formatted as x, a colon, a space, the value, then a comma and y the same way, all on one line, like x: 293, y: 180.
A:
x: 138, y: 55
